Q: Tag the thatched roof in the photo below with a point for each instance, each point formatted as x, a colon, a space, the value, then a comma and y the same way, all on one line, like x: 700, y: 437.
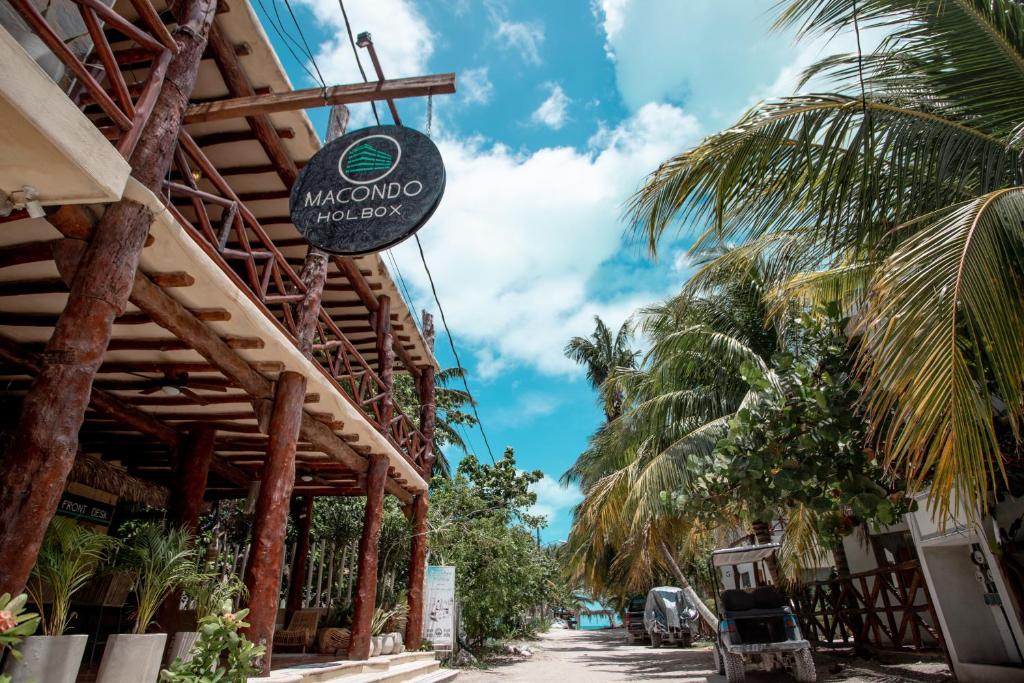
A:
x: 93, y: 471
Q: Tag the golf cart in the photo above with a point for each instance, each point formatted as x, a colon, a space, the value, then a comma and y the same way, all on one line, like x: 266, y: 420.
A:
x: 667, y: 617
x: 757, y: 628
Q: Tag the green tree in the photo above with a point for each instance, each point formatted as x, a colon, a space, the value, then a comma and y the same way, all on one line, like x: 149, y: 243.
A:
x: 601, y: 354
x: 480, y: 523
x: 901, y: 194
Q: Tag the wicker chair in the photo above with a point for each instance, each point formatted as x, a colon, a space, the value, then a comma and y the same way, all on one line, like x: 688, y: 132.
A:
x: 301, y: 632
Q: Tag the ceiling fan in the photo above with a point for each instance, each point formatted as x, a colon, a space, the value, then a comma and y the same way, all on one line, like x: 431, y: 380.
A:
x: 179, y: 384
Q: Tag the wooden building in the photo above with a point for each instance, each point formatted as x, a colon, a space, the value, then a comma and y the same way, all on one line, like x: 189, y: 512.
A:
x: 155, y: 314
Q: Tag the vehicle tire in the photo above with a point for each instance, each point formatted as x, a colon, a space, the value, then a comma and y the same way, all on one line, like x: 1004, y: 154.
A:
x: 734, y: 671
x: 686, y: 640
x: 719, y: 661
x: 655, y: 640
x: 803, y: 667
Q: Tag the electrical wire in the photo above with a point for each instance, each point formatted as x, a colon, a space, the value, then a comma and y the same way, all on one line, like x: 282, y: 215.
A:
x: 355, y: 51
x: 286, y: 38
x: 404, y: 287
x: 455, y: 353
x: 302, y: 35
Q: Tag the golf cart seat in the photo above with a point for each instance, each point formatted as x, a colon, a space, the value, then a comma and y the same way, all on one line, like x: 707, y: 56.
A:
x: 764, y: 601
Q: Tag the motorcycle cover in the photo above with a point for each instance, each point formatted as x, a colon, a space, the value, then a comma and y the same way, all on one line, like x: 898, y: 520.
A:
x: 667, y: 610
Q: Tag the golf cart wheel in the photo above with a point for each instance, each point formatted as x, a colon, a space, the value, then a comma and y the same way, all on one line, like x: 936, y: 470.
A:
x: 655, y: 640
x: 734, y: 671
x: 719, y: 661
x: 803, y: 667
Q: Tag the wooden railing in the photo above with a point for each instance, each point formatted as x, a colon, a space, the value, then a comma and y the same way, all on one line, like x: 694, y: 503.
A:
x: 884, y: 609
x: 122, y: 110
x: 230, y: 234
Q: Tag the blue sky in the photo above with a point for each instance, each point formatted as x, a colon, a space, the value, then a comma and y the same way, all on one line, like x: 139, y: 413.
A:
x: 563, y: 107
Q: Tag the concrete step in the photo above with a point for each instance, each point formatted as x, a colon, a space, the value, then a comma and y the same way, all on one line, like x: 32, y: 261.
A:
x: 439, y: 676
x: 396, y: 673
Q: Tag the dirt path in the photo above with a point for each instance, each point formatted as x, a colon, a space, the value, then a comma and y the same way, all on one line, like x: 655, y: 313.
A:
x: 604, y: 656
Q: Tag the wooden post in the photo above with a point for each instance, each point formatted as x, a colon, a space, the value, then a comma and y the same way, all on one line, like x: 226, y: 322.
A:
x: 314, y: 269
x: 34, y: 473
x: 417, y: 573
x: 420, y: 506
x: 366, y: 577
x: 194, y: 458
x: 385, y: 358
x: 427, y: 392
x: 303, y: 515
x: 270, y: 522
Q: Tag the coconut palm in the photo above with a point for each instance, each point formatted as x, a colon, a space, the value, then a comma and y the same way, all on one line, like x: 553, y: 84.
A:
x: 902, y: 190
x: 676, y: 407
x: 454, y: 412
x: 601, y: 354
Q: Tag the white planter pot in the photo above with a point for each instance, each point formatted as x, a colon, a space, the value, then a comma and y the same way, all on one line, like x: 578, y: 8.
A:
x: 375, y: 646
x: 132, y: 658
x: 47, y: 658
x: 387, y: 644
x: 399, y: 643
x: 181, y: 647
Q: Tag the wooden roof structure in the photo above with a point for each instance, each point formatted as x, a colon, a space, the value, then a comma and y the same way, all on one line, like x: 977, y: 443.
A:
x: 221, y: 277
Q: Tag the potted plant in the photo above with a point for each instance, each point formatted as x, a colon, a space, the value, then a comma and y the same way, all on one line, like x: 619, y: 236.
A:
x: 220, y: 654
x: 160, y: 561
x: 15, y: 625
x: 210, y: 594
x: 68, y: 557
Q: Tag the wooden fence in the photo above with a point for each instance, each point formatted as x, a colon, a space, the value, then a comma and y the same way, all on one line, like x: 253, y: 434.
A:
x: 330, y: 571
x: 884, y: 609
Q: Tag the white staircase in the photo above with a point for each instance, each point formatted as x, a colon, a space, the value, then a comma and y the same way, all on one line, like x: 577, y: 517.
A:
x: 408, y: 667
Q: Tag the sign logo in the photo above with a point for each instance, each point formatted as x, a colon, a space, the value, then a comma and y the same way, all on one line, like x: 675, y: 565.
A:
x: 368, y: 190
x: 369, y: 159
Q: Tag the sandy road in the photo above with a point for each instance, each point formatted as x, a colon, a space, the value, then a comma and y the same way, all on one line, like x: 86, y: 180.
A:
x: 604, y: 656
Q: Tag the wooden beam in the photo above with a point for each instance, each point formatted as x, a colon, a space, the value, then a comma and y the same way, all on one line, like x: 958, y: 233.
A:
x: 231, y: 136
x: 26, y: 252
x: 239, y: 86
x: 393, y: 89
x: 176, y: 368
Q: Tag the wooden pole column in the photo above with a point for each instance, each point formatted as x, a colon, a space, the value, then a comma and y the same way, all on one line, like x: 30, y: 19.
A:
x: 420, y: 506
x: 35, y: 470
x: 270, y: 522
x: 385, y: 358
x: 194, y: 458
x: 314, y: 269
x: 366, y: 576
x: 303, y: 516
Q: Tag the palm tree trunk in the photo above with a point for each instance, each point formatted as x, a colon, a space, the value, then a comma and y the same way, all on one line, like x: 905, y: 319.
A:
x: 707, y: 615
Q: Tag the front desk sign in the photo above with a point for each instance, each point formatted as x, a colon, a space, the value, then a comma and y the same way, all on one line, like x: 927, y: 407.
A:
x: 368, y: 190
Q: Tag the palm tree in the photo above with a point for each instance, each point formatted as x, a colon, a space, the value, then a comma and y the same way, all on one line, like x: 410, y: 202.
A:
x: 900, y: 193
x: 676, y: 406
x: 601, y: 353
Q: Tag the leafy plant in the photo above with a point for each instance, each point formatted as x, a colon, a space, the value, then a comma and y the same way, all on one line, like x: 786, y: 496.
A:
x: 15, y: 625
x: 221, y: 654
x: 213, y: 593
x: 160, y: 560
x: 68, y: 557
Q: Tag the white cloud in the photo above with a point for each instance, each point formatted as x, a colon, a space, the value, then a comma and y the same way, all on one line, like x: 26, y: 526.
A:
x: 475, y: 87
x: 612, y: 15
x: 526, y: 408
x: 519, y: 239
x: 553, y: 111
x: 553, y: 499
x: 403, y: 41
x: 524, y: 38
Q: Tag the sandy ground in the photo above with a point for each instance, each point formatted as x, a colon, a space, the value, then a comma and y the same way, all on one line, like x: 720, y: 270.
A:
x: 603, y: 656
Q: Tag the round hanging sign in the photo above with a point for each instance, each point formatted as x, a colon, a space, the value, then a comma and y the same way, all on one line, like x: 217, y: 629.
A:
x: 368, y: 190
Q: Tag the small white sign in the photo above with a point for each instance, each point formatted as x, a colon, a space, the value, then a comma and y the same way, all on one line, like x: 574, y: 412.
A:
x: 439, y: 608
